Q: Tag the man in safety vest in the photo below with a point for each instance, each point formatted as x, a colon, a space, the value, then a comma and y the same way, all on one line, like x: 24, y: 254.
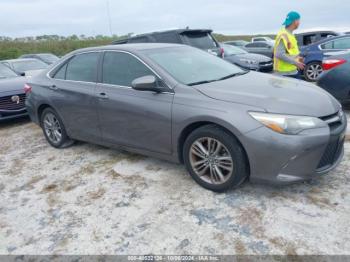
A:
x: 287, y: 59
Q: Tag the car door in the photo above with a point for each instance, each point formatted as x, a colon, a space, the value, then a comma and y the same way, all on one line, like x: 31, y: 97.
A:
x: 138, y: 119
x: 73, y: 95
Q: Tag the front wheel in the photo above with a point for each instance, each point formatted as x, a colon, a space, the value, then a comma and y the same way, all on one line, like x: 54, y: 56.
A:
x: 215, y: 159
x: 54, y: 129
x: 312, y: 71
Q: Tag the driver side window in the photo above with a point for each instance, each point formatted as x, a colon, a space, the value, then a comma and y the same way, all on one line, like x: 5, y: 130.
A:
x: 121, y: 69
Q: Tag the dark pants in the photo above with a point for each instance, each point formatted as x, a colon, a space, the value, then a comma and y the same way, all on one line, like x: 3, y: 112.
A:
x: 296, y: 76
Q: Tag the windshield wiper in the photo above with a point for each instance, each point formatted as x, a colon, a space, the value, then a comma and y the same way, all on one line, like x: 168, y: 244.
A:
x: 214, y: 80
x: 201, y: 82
x: 233, y: 75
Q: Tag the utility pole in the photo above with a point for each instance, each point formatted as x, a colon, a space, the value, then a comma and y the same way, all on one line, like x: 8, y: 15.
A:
x: 109, y: 18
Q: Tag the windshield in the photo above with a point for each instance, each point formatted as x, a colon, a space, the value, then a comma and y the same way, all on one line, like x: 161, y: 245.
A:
x: 6, y: 72
x: 23, y: 66
x: 233, y: 50
x: 200, y: 40
x: 49, y: 58
x: 190, y: 65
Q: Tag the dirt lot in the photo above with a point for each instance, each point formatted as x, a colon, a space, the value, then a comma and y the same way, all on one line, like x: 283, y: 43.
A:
x: 89, y: 199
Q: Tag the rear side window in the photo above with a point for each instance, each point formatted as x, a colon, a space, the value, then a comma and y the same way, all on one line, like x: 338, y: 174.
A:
x: 200, y: 40
x: 83, y: 67
x: 142, y: 39
x: 122, y: 68
x: 343, y: 43
x: 167, y: 38
x: 309, y: 39
x: 256, y: 45
x: 328, y: 45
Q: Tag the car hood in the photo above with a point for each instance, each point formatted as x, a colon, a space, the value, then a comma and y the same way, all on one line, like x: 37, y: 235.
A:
x: 273, y: 94
x: 250, y: 56
x: 13, y: 84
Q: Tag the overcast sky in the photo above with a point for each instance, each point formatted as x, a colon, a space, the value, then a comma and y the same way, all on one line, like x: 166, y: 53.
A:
x: 20, y: 18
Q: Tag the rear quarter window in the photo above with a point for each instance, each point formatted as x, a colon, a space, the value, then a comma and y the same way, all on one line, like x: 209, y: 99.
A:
x: 200, y: 40
x: 167, y: 38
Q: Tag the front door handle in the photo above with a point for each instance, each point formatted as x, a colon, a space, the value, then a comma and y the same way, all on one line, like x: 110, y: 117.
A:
x: 53, y: 87
x: 103, y: 96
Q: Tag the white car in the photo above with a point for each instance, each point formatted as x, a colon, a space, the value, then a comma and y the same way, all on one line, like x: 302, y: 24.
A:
x: 263, y: 39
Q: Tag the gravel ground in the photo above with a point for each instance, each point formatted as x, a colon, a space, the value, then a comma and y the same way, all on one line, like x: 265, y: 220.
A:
x: 89, y: 199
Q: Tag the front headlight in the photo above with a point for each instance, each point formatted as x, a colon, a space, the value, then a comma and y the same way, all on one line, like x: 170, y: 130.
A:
x: 287, y: 124
x: 248, y: 61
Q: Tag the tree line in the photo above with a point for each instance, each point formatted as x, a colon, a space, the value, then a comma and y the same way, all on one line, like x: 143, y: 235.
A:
x: 11, y: 48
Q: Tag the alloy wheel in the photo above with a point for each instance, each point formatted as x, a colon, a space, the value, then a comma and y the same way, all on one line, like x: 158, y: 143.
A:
x: 313, y: 71
x: 52, y: 128
x: 211, y: 160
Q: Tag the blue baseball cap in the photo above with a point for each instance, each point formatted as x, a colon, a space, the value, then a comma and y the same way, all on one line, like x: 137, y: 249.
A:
x: 291, y: 17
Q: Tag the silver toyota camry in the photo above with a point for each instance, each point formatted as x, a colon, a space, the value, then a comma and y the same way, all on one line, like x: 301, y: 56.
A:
x: 184, y: 105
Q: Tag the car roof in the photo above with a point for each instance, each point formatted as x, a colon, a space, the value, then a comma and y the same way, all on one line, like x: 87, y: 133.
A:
x: 234, y: 41
x: 318, y: 32
x: 178, y: 31
x: 130, y: 47
x: 38, y: 54
x: 20, y: 60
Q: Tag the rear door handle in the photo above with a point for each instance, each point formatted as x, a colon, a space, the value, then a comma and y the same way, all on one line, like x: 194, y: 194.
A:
x: 103, y: 95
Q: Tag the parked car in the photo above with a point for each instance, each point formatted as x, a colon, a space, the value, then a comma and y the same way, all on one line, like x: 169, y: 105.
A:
x: 47, y: 58
x: 336, y: 77
x: 12, y: 96
x: 262, y: 48
x: 238, y: 43
x: 181, y: 104
x: 315, y: 53
x: 243, y: 59
x: 262, y: 39
x: 200, y: 38
x: 310, y: 37
x: 25, y: 66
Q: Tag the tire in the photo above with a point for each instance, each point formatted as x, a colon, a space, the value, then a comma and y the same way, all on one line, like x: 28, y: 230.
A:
x: 54, y: 130
x: 312, y: 71
x: 230, y: 159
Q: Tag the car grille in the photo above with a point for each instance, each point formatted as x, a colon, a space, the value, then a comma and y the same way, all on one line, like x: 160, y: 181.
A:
x: 331, y: 154
x: 336, y: 142
x: 7, y: 104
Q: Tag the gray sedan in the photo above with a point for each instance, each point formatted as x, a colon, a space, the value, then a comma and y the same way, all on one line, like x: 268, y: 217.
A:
x: 263, y: 48
x: 184, y: 105
x: 25, y: 66
x: 246, y: 60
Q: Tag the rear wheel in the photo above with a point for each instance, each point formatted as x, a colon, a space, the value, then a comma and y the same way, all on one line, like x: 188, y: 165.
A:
x: 312, y: 71
x: 54, y: 129
x: 215, y: 159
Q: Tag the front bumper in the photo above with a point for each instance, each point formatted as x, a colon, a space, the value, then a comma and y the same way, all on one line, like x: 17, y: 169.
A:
x: 7, y: 115
x: 283, y: 159
x: 260, y: 68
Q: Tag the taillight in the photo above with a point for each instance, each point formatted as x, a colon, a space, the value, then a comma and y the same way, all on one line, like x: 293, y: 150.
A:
x: 331, y: 63
x: 222, y: 52
x: 27, y: 89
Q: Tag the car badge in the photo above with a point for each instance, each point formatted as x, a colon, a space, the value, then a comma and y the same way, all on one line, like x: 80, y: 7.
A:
x: 15, y: 99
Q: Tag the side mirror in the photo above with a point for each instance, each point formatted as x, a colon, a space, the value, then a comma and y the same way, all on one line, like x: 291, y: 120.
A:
x: 146, y: 83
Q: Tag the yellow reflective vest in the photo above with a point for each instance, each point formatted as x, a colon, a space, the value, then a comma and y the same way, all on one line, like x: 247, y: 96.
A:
x: 291, y: 45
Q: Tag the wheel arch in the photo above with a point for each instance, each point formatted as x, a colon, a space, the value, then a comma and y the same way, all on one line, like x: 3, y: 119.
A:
x: 189, y: 128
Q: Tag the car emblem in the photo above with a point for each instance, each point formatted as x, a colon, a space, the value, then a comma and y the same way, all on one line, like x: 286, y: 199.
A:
x: 15, y: 99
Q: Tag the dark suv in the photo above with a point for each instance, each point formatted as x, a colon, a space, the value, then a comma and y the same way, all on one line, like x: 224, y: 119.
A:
x: 200, y: 38
x: 308, y: 38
